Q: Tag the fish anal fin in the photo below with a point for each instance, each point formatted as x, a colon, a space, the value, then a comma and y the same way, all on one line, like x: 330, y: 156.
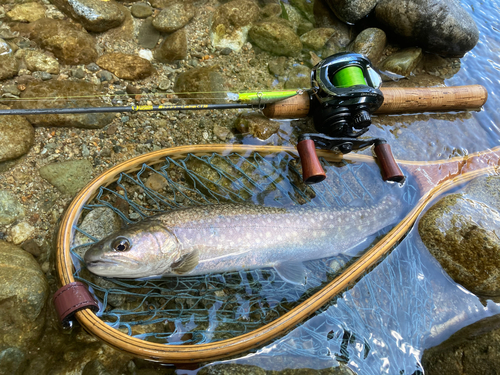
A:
x: 186, y: 263
x: 292, y: 272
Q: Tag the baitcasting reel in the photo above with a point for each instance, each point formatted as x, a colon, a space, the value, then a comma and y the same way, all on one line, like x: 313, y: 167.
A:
x: 345, y: 94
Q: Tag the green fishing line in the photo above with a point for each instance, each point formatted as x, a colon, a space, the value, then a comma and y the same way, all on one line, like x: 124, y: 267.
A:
x: 348, y: 77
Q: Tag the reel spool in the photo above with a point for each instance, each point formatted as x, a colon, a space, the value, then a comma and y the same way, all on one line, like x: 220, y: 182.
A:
x: 346, y: 93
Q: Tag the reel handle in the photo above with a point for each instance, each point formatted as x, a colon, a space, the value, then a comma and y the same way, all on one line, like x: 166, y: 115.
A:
x: 390, y: 169
x: 312, y: 171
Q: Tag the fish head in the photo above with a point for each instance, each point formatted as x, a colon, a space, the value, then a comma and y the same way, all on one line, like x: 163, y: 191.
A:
x: 140, y: 250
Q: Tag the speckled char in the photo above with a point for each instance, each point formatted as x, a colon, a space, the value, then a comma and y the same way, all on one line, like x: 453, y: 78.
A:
x: 233, y: 237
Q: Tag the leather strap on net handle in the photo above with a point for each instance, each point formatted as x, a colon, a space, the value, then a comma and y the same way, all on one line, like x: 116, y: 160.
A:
x: 397, y: 100
x: 71, y: 298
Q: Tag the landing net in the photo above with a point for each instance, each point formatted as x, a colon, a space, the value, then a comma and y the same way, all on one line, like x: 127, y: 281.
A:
x: 207, y: 308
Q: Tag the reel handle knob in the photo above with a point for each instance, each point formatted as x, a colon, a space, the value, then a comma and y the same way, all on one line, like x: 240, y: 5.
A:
x: 312, y: 171
x: 390, y: 169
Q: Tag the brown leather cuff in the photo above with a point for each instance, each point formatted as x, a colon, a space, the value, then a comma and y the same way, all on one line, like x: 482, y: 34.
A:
x: 71, y: 298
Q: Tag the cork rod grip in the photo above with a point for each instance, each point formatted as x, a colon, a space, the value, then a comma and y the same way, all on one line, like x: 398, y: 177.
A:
x: 396, y: 100
x: 432, y: 99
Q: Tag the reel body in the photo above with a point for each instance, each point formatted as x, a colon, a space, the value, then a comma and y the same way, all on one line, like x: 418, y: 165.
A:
x: 345, y: 94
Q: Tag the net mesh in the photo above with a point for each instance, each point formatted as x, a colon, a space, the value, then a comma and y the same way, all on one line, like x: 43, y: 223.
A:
x: 207, y: 308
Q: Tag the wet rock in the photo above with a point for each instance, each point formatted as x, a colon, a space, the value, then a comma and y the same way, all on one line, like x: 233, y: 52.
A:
x: 70, y: 90
x: 13, y: 361
x: 461, y: 233
x: 148, y: 36
x: 9, y: 65
x: 39, y: 61
x: 231, y: 22
x: 299, y: 77
x: 29, y: 12
x: 94, y: 15
x: 206, y: 82
x: 174, y: 17
x: 6, y: 33
x: 161, y: 4
x: 95, y: 367
x: 316, y: 38
x: 69, y: 177
x: 23, y: 297
x: 351, y: 11
x: 222, y: 132
x: 70, y: 44
x: 442, y: 67
x: 156, y: 182
x: 174, y: 47
x: 277, y: 66
x: 370, y: 43
x: 293, y: 16
x: 256, y: 124
x: 275, y: 38
x: 231, y: 368
x: 126, y: 66
x: 486, y: 190
x: 16, y: 137
x: 271, y: 10
x: 306, y: 8
x: 470, y: 351
x: 141, y: 10
x: 21, y: 232
x: 325, y: 18
x: 402, y: 62
x: 10, y: 208
x: 437, y: 26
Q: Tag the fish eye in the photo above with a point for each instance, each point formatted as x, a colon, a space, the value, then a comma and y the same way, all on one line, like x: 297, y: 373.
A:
x: 120, y: 244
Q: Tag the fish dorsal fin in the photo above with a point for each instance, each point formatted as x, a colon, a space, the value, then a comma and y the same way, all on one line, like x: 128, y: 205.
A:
x: 186, y: 263
x: 292, y: 272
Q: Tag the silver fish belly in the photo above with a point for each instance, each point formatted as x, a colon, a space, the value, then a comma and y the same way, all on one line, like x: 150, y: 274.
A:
x: 230, y: 237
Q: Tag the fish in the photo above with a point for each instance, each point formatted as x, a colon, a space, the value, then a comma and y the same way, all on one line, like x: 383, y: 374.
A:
x: 231, y: 237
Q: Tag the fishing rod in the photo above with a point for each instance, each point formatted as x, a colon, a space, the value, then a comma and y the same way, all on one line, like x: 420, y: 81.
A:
x: 345, y: 92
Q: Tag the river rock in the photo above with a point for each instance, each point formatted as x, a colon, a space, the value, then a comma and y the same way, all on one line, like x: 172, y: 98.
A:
x: 16, y: 137
x: 276, y: 38
x: 69, y: 177
x: 316, y: 38
x: 370, y: 43
x: 403, y: 62
x: 21, y: 232
x: 23, y: 297
x: 39, y: 61
x: 141, y: 10
x: 10, y: 208
x: 148, y: 36
x: 94, y: 15
x: 470, y: 351
x: 68, y: 89
x: 257, y: 125
x: 161, y: 4
x: 351, y: 11
x: 29, y: 12
x: 174, y: 47
x: 69, y: 43
x: 231, y: 22
x: 325, y: 18
x: 202, y: 84
x: 174, y: 17
x: 13, y: 361
x: 231, y: 368
x: 9, y: 65
x: 461, y: 233
x: 438, y: 26
x: 126, y: 66
x: 306, y: 8
x: 299, y: 77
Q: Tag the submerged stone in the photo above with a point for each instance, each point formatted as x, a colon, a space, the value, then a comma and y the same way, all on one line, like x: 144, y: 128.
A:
x: 472, y: 351
x: 316, y: 38
x: 438, y: 26
x: 174, y: 17
x: 148, y: 36
x: 75, y: 94
x: 23, y: 297
x: 29, y: 12
x: 299, y: 77
x: 174, y: 47
x: 126, y: 66
x: 403, y: 62
x: 70, y: 44
x: 10, y: 208
x: 203, y: 84
x: 351, y: 11
x: 39, y: 61
x: 370, y: 43
x: 94, y: 15
x: 276, y: 38
x: 16, y: 137
x: 460, y: 231
x: 69, y: 177
x: 9, y: 65
x: 141, y: 10
x: 257, y: 125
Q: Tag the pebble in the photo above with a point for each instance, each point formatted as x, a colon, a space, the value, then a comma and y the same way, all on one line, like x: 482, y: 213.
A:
x: 21, y: 232
x: 10, y: 208
x: 68, y: 176
x: 141, y: 10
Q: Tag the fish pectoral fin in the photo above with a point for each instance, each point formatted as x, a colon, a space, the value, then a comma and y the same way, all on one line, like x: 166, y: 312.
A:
x: 186, y: 263
x: 292, y: 272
